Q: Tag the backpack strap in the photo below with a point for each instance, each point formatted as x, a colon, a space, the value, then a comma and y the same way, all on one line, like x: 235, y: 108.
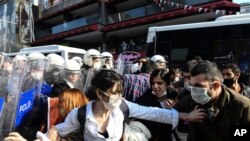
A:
x: 125, y: 111
x: 81, y: 116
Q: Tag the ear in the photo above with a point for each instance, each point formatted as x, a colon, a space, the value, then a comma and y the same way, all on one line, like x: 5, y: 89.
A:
x: 237, y: 75
x: 216, y: 84
x: 98, y: 93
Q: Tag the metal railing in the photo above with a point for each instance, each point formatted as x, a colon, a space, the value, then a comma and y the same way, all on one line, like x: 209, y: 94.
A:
x: 48, y: 9
x: 150, y: 10
x: 68, y: 26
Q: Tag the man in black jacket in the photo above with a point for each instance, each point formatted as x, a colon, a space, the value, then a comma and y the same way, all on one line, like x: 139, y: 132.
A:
x: 223, y: 106
x: 231, y: 74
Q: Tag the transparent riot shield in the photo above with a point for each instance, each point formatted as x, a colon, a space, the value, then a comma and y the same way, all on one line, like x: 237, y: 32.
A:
x: 119, y: 65
x: 107, y: 62
x: 1, y: 59
x: 53, y: 74
x: 13, y: 91
x: 73, y: 78
x: 123, y: 67
x: 31, y: 100
x: 89, y: 77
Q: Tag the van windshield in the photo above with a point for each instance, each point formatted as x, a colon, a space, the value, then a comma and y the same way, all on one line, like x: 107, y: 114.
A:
x: 71, y: 55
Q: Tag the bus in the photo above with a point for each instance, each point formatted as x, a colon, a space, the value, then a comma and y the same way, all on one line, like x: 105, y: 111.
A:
x: 226, y: 37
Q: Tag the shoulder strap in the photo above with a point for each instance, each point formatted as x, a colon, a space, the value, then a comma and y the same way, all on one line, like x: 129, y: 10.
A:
x: 125, y: 110
x: 81, y: 116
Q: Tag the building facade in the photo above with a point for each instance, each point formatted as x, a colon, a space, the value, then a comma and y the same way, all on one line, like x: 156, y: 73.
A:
x: 117, y: 25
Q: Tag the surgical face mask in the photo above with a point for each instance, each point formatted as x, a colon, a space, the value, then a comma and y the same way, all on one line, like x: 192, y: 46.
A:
x: 114, y: 101
x: 187, y: 86
x: 229, y: 82
x: 97, y: 66
x: 37, y: 75
x: 200, y: 95
x: 164, y: 93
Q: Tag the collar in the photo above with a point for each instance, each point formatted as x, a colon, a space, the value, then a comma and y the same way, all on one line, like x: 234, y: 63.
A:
x: 69, y: 83
x: 89, y: 112
x: 224, y: 97
x: 162, y: 96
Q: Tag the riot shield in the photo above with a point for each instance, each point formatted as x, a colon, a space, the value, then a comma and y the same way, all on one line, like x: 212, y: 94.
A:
x: 122, y: 66
x: 13, y: 89
x: 89, y: 77
x: 119, y: 65
x: 34, y: 76
x: 53, y: 74
x: 73, y: 78
x: 1, y: 59
x: 31, y: 99
x: 107, y: 62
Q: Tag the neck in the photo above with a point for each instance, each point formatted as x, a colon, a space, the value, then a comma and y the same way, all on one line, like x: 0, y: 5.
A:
x: 236, y: 86
x: 216, y: 96
x: 99, y: 109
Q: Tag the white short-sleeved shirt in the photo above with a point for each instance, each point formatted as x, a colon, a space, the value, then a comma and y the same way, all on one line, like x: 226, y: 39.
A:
x: 115, y: 124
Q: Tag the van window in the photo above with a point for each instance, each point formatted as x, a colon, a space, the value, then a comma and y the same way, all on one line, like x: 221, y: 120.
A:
x: 58, y: 53
x: 71, y: 55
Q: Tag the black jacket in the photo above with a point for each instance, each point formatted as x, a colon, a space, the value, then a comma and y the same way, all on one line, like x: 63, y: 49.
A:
x: 230, y: 109
x: 159, y: 131
x: 59, y: 87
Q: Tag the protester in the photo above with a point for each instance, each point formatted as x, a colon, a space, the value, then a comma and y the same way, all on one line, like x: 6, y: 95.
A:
x: 135, y: 85
x: 104, y: 118
x: 162, y: 96
x: 223, y: 106
x: 231, y: 74
x: 54, y: 111
x: 186, y: 74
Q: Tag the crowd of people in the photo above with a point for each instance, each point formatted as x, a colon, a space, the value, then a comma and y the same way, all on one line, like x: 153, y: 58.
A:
x: 93, y: 100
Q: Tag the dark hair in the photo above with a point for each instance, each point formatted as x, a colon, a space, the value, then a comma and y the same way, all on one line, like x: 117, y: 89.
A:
x: 162, y: 73
x: 146, y: 68
x: 210, y: 69
x: 235, y: 68
x: 104, y: 79
x: 188, y: 66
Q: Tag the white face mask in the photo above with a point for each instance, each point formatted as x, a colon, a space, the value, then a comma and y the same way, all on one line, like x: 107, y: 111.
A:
x: 97, y: 66
x: 114, y: 101
x: 199, y: 95
x: 164, y: 93
x: 37, y: 75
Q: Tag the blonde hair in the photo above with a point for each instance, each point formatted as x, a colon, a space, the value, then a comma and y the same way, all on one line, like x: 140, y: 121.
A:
x: 72, y: 98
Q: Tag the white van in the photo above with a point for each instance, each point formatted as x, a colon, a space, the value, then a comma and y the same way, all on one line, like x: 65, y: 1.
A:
x: 64, y: 51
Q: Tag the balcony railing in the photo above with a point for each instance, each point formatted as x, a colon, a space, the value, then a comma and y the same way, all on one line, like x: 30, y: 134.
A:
x: 48, y: 9
x: 150, y: 10
x: 68, y: 26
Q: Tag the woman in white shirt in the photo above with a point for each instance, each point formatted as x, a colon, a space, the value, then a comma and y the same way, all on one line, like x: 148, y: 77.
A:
x: 104, y: 118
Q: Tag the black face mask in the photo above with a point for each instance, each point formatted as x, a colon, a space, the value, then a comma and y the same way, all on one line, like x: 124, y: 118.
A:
x: 229, y: 82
